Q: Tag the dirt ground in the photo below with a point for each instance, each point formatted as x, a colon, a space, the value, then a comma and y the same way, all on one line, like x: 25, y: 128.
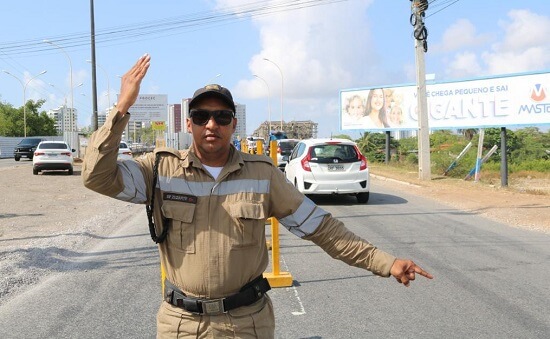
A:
x: 47, y: 220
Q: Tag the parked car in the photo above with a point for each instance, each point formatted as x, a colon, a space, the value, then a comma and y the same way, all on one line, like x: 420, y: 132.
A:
x: 25, y: 148
x: 53, y: 155
x: 124, y: 152
x: 284, y: 149
x: 329, y: 166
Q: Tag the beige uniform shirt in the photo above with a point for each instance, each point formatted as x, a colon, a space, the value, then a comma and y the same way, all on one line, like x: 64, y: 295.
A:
x: 216, y: 236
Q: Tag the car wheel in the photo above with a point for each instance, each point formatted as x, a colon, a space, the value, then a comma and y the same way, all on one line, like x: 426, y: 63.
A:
x: 70, y: 171
x: 362, y: 198
x: 35, y: 171
x: 17, y: 158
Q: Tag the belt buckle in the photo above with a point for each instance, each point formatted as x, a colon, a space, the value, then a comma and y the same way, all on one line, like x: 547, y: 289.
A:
x: 213, y: 307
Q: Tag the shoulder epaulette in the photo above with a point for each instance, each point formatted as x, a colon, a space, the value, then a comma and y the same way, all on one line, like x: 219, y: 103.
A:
x: 169, y: 150
x: 256, y: 158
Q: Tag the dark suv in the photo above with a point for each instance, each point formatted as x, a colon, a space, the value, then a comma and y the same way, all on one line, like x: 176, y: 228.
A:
x: 26, y: 147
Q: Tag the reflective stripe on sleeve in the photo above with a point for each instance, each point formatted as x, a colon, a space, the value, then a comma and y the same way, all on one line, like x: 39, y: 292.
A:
x: 305, y: 220
x: 135, y: 190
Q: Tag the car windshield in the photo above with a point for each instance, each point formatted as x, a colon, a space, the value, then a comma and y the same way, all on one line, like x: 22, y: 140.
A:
x: 52, y: 145
x: 287, y: 145
x: 123, y: 145
x: 327, y: 153
x: 29, y: 141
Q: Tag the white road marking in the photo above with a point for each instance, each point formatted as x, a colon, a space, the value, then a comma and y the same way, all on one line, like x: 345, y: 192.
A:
x: 293, y: 288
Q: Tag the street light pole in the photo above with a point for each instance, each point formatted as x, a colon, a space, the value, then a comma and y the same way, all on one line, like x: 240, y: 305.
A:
x: 268, y: 103
x: 210, y: 81
x: 108, y: 85
x: 282, y: 82
x: 70, y: 79
x: 24, y: 86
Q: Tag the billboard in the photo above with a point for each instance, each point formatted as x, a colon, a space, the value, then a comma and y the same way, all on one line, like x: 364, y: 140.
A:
x: 518, y: 100
x: 149, y: 107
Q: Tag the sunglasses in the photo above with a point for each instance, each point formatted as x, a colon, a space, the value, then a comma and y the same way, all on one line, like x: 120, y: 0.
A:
x: 202, y: 116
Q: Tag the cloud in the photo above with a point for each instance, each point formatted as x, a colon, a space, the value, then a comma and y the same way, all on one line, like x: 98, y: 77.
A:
x: 461, y: 34
x: 524, y: 47
x: 465, y: 64
x: 319, y: 50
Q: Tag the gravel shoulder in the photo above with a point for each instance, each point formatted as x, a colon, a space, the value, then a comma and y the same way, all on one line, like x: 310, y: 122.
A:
x: 48, y: 220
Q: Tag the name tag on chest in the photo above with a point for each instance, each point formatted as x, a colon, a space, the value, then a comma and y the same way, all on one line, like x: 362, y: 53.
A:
x: 180, y: 197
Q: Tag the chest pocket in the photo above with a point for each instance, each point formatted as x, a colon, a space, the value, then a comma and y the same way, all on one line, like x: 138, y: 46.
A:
x: 249, y: 224
x: 181, y: 235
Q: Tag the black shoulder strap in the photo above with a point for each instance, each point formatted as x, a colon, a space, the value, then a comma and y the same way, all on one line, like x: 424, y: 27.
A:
x: 149, y: 208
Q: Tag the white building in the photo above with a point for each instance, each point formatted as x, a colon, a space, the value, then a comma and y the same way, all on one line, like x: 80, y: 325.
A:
x: 64, y: 120
x: 240, y: 114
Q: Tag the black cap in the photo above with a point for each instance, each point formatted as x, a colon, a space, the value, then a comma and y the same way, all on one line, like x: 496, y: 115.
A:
x: 215, y: 91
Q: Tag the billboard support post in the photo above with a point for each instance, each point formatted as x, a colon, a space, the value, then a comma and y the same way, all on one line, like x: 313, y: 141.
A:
x: 503, y: 158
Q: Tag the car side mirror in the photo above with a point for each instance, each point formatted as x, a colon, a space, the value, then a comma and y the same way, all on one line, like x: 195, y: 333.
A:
x: 73, y: 150
x: 285, y: 158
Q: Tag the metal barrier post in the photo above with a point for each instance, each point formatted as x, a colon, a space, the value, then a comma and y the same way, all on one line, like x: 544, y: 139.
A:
x: 259, y: 147
x: 273, y: 151
x: 276, y: 278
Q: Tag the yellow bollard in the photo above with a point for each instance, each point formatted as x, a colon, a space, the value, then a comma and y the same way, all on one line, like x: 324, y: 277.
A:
x: 273, y: 151
x: 276, y: 278
x: 259, y: 147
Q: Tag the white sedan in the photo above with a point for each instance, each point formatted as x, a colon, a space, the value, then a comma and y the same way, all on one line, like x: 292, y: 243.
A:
x: 329, y: 166
x: 124, y: 152
x: 52, y: 155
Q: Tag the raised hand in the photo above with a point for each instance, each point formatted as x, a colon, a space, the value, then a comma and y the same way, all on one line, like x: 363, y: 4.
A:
x: 130, y: 83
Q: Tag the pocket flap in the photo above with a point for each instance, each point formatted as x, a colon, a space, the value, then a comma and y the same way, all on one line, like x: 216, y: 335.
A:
x: 177, y: 210
x: 247, y: 210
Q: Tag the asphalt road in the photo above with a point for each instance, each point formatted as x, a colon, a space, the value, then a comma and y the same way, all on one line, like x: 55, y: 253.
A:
x: 491, y: 281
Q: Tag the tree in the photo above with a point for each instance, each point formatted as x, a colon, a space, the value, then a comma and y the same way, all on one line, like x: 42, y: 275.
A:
x: 341, y: 136
x: 38, y: 123
x: 533, y: 145
x: 373, y: 145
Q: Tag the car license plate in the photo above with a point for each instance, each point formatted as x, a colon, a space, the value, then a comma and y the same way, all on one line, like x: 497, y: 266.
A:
x: 52, y: 154
x: 334, y: 168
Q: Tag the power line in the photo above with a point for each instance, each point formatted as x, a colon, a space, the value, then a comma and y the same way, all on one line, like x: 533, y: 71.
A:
x: 436, y: 4
x: 161, y: 27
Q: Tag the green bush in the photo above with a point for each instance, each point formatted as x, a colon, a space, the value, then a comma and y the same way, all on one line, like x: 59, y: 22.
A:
x: 539, y: 165
x: 411, y: 159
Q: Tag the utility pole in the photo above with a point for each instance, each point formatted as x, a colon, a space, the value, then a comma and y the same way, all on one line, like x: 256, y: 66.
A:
x: 94, y: 82
x: 418, y: 10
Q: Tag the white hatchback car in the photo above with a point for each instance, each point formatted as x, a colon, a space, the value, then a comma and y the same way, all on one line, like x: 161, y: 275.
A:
x: 329, y: 166
x: 124, y: 152
x: 52, y: 155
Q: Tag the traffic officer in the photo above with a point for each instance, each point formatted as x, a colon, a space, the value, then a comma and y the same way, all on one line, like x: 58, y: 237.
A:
x: 208, y: 206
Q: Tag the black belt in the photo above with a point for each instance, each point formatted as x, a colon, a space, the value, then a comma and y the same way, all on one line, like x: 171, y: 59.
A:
x: 249, y: 294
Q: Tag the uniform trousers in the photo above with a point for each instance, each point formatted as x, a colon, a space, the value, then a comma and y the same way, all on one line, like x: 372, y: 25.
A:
x: 253, y: 321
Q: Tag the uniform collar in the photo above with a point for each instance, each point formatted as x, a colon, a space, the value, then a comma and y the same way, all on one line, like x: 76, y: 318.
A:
x: 234, y: 161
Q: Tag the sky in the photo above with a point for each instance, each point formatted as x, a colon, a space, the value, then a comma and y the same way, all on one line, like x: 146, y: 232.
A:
x: 315, y: 48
